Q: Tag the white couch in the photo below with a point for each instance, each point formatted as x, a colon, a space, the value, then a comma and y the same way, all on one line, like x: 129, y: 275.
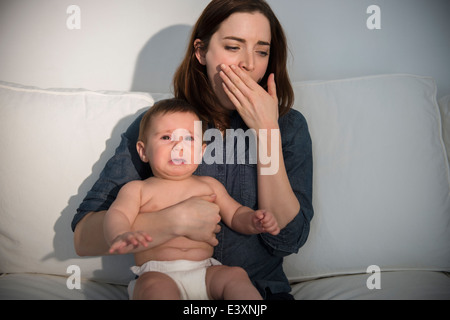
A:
x: 381, y: 189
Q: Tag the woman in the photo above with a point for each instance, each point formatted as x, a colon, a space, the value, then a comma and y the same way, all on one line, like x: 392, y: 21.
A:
x: 235, y: 73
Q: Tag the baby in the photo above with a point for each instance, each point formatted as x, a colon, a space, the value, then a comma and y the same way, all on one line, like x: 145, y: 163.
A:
x: 179, y: 268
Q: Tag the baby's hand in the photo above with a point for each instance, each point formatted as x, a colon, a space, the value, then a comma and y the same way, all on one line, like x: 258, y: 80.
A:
x: 129, y: 241
x: 264, y: 221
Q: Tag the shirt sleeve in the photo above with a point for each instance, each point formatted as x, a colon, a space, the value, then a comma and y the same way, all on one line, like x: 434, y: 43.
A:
x: 297, y: 152
x: 124, y: 166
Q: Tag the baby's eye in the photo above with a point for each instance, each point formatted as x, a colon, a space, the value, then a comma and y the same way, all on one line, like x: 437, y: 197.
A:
x: 189, y: 138
x: 166, y: 137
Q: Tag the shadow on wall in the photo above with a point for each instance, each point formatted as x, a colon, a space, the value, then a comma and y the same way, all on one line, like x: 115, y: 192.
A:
x: 158, y: 60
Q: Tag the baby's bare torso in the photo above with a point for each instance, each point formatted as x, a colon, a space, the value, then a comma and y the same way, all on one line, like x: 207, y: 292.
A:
x: 158, y: 194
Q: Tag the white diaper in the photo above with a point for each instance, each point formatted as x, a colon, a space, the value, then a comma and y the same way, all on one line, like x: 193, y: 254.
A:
x: 190, y: 276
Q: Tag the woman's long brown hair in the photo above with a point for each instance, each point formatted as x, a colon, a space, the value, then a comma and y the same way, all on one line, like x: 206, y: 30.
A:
x: 191, y: 80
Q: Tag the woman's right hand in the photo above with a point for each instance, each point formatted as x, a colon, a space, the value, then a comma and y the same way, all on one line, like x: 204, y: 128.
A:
x: 197, y: 218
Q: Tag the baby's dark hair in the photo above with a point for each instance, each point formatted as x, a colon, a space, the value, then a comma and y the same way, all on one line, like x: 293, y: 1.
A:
x: 163, y: 107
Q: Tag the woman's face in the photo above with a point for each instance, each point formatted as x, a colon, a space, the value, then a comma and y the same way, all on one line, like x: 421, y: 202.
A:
x: 242, y: 40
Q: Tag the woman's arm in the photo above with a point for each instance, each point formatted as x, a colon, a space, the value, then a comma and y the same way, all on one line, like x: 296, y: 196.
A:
x: 259, y: 109
x: 298, y: 161
x: 288, y: 192
x: 89, y: 239
x: 275, y: 193
x: 196, y: 218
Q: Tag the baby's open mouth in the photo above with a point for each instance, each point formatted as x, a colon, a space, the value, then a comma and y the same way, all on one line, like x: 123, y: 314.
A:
x: 178, y: 161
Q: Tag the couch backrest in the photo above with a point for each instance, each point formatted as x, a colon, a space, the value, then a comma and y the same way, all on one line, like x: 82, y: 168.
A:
x: 54, y: 144
x: 381, y: 179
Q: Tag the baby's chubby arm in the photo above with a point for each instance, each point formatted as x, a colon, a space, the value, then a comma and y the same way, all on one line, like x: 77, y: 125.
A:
x: 120, y: 217
x: 240, y: 218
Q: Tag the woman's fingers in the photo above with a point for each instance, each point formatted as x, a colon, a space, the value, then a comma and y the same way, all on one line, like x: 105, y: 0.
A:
x: 232, y: 97
x: 257, y: 107
x: 234, y: 88
x: 271, y: 86
x: 239, y: 77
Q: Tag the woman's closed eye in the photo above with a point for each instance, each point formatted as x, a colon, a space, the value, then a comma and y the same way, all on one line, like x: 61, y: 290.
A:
x: 232, y: 48
x: 263, y: 53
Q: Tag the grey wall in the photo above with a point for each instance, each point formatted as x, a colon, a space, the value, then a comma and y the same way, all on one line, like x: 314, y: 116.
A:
x: 136, y: 45
x: 330, y: 38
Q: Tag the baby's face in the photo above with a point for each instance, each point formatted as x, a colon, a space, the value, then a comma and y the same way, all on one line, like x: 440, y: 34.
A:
x: 174, y: 145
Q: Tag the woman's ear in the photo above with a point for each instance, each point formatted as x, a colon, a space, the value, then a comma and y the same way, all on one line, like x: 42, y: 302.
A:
x: 140, y: 147
x: 200, y: 53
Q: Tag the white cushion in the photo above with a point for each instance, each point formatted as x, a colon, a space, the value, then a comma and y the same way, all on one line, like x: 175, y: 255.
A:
x: 54, y: 143
x: 401, y: 285
x: 49, y: 287
x: 381, y: 177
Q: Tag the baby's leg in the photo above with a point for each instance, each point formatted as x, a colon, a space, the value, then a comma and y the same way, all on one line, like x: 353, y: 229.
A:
x: 155, y: 286
x: 230, y: 283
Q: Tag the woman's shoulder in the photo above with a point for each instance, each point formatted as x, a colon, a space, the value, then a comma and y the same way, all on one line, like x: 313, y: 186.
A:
x: 293, y: 120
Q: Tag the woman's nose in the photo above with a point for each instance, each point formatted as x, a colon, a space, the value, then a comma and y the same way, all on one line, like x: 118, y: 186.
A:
x: 247, y: 62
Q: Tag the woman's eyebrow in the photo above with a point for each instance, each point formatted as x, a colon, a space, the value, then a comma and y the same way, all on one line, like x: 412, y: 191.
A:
x: 260, y: 42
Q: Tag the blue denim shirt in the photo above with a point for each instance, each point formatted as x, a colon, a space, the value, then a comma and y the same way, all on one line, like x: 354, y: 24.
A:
x: 260, y: 255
